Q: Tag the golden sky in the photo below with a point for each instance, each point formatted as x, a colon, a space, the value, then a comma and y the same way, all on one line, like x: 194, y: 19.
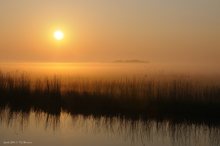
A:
x: 106, y: 30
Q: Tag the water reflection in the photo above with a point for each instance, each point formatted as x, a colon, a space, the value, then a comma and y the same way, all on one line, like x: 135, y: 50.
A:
x: 42, y: 128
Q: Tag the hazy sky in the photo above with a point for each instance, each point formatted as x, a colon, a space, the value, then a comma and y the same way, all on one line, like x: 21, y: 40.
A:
x: 105, y: 30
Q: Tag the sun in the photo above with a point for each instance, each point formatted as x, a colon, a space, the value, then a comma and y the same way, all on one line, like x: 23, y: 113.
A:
x: 58, y: 35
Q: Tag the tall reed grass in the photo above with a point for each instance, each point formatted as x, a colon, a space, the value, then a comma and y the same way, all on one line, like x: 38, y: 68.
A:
x: 150, y: 97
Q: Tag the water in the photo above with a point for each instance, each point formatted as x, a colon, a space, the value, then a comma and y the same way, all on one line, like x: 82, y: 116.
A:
x: 110, y: 69
x: 39, y: 128
x: 32, y: 127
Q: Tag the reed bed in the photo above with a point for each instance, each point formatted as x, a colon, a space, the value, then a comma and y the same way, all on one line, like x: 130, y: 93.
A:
x: 177, y: 96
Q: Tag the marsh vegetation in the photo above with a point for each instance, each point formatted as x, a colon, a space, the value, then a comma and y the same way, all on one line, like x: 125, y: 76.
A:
x: 149, y: 97
x: 158, y: 109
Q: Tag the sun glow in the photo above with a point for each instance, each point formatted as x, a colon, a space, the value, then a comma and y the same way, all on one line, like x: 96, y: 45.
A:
x: 58, y: 35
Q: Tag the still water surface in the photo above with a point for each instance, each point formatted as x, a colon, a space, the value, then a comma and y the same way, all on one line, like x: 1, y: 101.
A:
x: 38, y: 128
x: 110, y: 69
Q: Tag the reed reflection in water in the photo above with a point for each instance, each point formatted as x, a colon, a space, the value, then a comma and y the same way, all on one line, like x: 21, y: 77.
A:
x: 42, y: 128
x: 156, y: 110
